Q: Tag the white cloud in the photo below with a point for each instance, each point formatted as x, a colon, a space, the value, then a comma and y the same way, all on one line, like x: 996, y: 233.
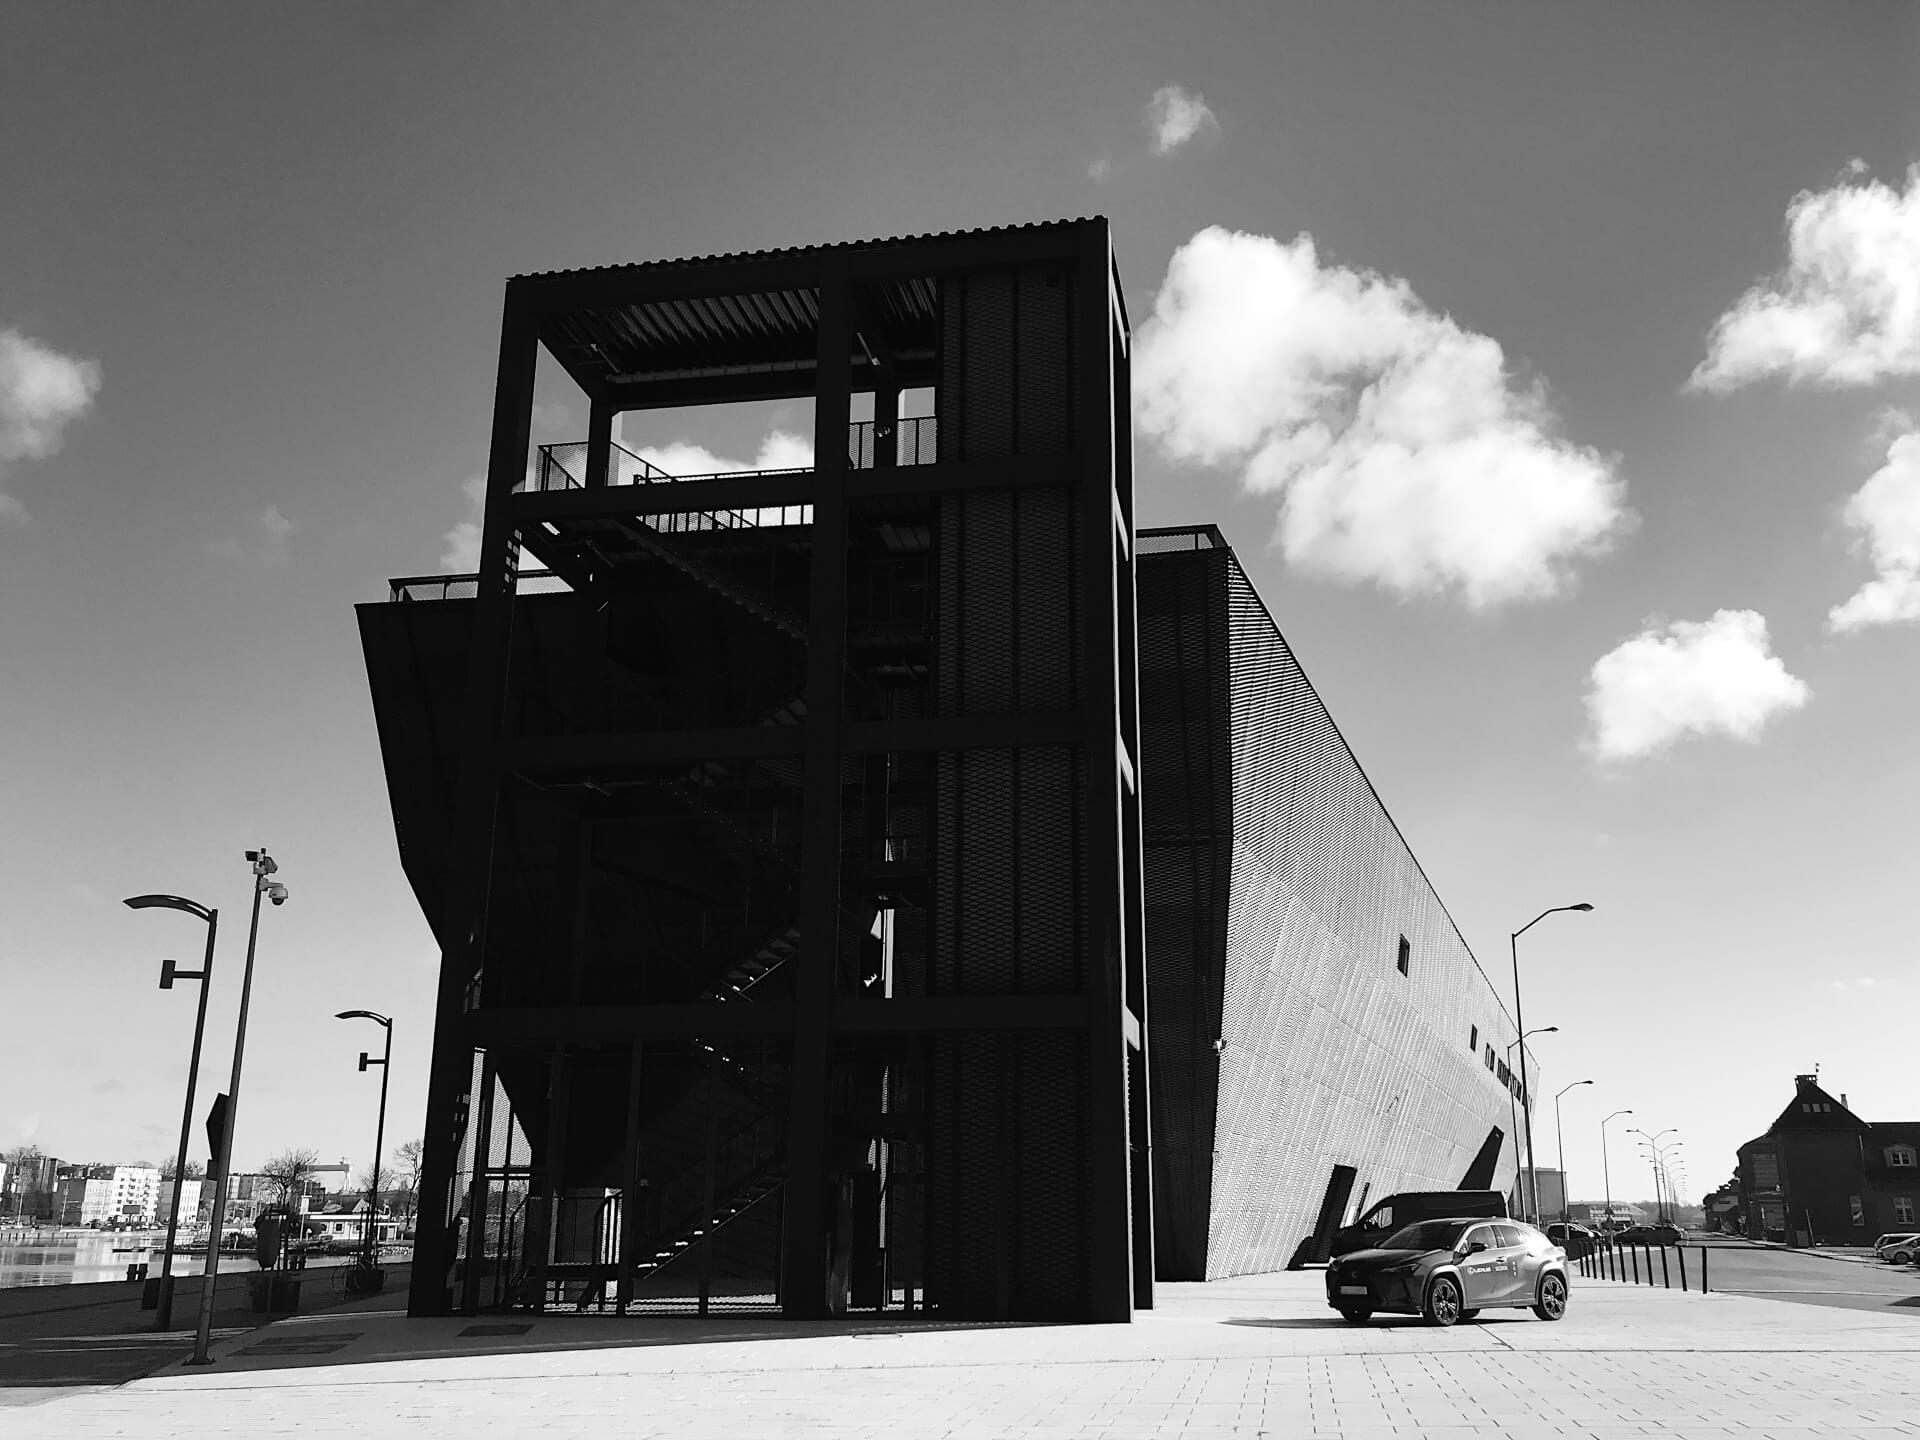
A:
x: 1711, y: 677
x: 1886, y: 512
x: 1845, y: 309
x: 1100, y: 170
x: 268, y: 548
x: 1174, y: 116
x: 779, y: 451
x: 41, y: 393
x: 462, y: 553
x: 1401, y: 450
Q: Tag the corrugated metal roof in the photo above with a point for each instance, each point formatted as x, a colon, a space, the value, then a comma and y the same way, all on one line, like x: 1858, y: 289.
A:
x: 791, y: 250
x: 696, y: 336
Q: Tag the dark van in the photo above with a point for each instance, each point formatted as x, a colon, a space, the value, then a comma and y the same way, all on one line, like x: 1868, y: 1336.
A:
x: 1412, y: 1205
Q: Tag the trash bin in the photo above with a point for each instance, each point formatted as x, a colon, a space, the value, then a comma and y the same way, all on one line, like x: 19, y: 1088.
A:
x: 272, y: 1291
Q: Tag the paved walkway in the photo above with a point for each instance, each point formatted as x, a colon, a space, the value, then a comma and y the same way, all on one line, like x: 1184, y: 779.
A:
x: 1254, y: 1357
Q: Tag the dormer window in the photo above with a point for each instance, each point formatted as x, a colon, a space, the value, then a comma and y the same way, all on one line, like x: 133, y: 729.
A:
x: 1901, y: 1157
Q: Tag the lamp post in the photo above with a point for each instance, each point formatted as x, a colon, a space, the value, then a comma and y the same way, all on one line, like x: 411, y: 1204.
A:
x: 1560, y: 1145
x: 1520, y: 1024
x: 163, y: 1310
x: 1521, y: 1042
x: 380, y: 1129
x: 263, y: 867
x: 1605, y: 1177
x: 1657, y: 1157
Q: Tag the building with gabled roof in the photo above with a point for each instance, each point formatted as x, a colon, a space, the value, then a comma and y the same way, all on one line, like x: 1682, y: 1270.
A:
x: 1822, y: 1175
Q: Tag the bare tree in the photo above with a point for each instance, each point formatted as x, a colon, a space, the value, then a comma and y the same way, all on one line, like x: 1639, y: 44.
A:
x: 25, y: 1194
x: 290, y: 1171
x: 195, y: 1170
x: 407, y: 1160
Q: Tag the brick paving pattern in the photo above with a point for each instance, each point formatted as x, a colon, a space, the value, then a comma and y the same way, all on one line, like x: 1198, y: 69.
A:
x: 1259, y: 1357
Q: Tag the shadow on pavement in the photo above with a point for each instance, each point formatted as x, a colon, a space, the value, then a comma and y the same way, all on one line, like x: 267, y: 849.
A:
x: 367, y: 1332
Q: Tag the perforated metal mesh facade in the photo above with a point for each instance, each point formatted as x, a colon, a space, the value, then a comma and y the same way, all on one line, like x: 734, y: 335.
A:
x: 1327, y: 1054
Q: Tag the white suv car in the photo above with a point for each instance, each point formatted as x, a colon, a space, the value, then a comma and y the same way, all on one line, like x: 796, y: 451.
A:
x: 1898, y: 1248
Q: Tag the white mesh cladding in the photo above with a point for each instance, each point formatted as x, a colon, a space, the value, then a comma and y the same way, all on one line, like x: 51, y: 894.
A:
x: 1331, y: 1056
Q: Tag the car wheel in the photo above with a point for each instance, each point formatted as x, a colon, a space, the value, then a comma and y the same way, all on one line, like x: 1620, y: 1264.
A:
x: 1356, y: 1314
x: 1552, y: 1303
x: 1901, y: 1257
x: 1443, y: 1301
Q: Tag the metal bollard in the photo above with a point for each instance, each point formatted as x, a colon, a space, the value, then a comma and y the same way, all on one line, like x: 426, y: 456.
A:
x: 1666, y: 1280
x: 1634, y: 1261
x: 1703, y: 1271
x: 1681, y: 1255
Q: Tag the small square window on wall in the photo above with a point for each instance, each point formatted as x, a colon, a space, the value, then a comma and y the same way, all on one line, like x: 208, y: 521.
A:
x: 1903, y: 1209
x: 1489, y: 1057
x: 1406, y: 955
x: 1473, y: 1038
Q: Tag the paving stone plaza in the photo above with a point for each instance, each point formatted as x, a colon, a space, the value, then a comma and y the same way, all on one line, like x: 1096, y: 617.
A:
x: 1252, y: 1357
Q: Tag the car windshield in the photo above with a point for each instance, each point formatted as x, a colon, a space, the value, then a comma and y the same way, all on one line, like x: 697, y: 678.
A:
x: 1427, y: 1235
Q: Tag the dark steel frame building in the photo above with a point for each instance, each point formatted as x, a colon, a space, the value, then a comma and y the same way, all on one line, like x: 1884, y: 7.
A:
x: 783, y: 833
x: 783, y: 852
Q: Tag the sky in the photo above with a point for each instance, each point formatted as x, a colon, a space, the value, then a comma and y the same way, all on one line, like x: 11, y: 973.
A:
x: 1553, y: 368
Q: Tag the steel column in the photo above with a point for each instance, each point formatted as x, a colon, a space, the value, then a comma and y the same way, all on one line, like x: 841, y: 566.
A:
x: 803, y: 1256
x: 1110, y: 1238
x: 470, y: 860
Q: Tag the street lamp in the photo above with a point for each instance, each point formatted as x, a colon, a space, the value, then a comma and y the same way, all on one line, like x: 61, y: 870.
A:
x: 1657, y: 1157
x: 163, y: 1311
x: 263, y: 867
x: 1560, y: 1146
x: 1520, y: 1024
x: 1605, y: 1178
x: 1521, y: 1042
x: 380, y: 1129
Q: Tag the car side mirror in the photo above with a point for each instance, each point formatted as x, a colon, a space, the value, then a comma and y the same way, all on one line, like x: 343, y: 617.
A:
x: 1474, y: 1248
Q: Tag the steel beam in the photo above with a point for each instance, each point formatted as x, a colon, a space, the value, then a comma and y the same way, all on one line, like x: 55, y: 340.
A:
x: 537, y: 1025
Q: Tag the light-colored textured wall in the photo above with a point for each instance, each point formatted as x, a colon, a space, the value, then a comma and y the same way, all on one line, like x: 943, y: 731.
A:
x: 1330, y: 1055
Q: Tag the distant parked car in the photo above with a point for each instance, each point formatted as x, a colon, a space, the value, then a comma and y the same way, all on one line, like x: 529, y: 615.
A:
x: 1898, y: 1248
x: 1648, y: 1235
x: 1576, y: 1239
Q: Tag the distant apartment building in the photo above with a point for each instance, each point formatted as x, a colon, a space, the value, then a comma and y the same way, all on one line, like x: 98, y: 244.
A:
x: 195, y: 1196
x: 107, y: 1195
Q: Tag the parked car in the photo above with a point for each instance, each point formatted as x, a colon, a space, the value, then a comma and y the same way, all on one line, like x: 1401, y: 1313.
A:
x: 1648, y: 1235
x: 1396, y: 1212
x: 1576, y: 1239
x: 1898, y: 1248
x: 1450, y: 1270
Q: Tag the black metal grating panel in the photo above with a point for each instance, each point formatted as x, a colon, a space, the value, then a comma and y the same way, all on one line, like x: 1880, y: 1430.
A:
x: 1008, y: 634
x: 1187, y: 823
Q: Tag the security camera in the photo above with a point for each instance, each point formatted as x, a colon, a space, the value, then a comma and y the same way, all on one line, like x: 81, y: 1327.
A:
x: 277, y: 893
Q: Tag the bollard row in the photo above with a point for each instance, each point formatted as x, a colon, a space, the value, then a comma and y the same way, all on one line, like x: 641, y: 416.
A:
x: 1608, y: 1261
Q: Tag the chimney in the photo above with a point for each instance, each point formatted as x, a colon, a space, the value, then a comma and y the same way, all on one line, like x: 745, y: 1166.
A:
x: 1843, y: 1099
